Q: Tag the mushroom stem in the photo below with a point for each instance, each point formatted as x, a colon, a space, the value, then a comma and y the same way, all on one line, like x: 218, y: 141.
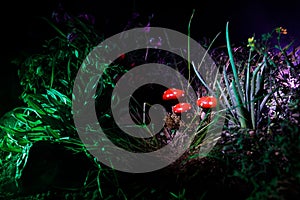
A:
x: 206, y: 114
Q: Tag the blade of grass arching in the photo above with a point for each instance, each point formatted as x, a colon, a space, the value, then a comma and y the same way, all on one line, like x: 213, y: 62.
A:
x: 208, y: 48
x: 266, y: 98
x: 256, y: 79
x: 239, y: 108
x: 259, y: 93
x: 253, y: 94
x: 51, y: 132
x: 20, y: 133
x: 247, y: 86
x: 201, y: 79
x: 218, y: 76
x: 8, y: 148
x: 28, y: 114
x: 201, y: 133
x: 21, y: 118
x: 63, y: 98
x: 259, y: 83
x: 98, y: 181
x: 76, y: 144
x: 13, y: 131
x: 202, y: 130
x: 233, y: 102
x: 202, y: 60
x: 189, y: 46
x: 22, y: 161
x: 227, y: 104
x: 234, y: 70
x: 236, y: 87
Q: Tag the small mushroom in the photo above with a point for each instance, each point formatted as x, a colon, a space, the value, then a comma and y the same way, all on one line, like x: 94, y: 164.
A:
x: 173, y: 94
x: 171, y: 97
x: 181, y: 107
x: 206, y: 103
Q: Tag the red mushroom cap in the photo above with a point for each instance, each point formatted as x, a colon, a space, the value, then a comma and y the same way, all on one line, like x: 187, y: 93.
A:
x: 207, y: 102
x: 181, y: 107
x: 173, y: 93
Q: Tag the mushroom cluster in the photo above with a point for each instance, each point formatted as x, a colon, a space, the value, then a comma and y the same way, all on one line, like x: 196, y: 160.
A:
x: 172, y: 120
x: 175, y: 94
x: 205, y: 102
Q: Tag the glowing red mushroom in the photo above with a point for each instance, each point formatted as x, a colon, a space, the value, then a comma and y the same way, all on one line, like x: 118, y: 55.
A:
x: 172, y: 94
x: 207, y: 102
x: 181, y: 107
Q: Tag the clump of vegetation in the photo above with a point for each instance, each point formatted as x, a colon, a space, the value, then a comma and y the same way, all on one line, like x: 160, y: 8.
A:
x: 255, y: 157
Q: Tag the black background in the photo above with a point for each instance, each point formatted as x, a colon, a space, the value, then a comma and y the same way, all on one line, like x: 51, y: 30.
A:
x: 22, y: 32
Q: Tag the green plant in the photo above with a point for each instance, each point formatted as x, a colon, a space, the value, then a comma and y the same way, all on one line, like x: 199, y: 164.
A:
x: 247, y: 83
x: 47, y: 79
x: 262, y: 157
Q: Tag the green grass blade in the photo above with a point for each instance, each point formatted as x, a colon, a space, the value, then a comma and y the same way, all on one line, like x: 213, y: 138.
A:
x: 189, y: 41
x: 234, y: 70
x: 236, y: 87
x: 247, y: 84
x: 201, y: 79
x: 253, y: 93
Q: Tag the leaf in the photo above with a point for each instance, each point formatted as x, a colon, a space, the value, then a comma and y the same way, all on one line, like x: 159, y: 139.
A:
x: 52, y: 132
x: 255, y: 86
x: 62, y: 97
x: 236, y: 87
x: 76, y: 53
x: 9, y: 148
x: 32, y: 103
x: 33, y: 120
x: 38, y: 129
x: 12, y: 131
x: 247, y: 84
x: 64, y: 82
x: 20, y: 117
x: 174, y: 195
x: 266, y: 98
